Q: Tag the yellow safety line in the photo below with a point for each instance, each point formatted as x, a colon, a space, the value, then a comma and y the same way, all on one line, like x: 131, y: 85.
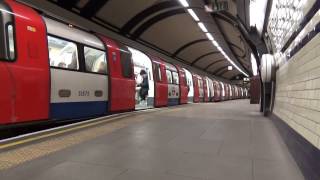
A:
x: 54, y: 133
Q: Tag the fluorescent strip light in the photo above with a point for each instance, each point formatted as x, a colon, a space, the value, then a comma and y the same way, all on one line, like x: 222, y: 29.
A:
x: 193, y: 14
x: 202, y: 27
x: 184, y: 3
x: 219, y: 48
x: 215, y: 43
x: 209, y: 36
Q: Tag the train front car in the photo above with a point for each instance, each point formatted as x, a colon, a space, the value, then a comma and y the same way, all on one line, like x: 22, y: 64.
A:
x: 78, y: 66
x: 160, y: 82
x: 189, y: 79
x: 24, y: 67
x: 173, y: 85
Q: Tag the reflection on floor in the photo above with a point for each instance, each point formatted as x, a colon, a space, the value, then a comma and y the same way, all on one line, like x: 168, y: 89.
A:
x: 212, y: 141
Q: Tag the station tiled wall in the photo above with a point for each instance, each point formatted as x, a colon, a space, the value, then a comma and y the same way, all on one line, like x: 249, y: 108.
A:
x: 297, y: 100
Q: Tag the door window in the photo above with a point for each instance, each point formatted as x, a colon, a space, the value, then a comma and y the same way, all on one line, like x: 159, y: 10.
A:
x: 63, y: 53
x: 95, y: 60
x: 175, y: 78
x: 126, y: 61
x: 169, y: 76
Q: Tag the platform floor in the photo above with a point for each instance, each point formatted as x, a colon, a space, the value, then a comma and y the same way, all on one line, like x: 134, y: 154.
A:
x: 215, y: 141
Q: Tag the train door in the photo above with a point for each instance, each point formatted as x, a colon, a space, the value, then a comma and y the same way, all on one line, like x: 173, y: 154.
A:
x: 120, y: 76
x: 231, y: 92
x: 211, y: 90
x: 184, y: 88
x: 223, y: 92
x: 161, y: 83
x: 217, y: 91
x: 173, y: 85
x: 201, y: 89
x: 196, y: 97
x: 205, y: 90
x: 190, y: 85
x: 24, y: 68
x: 143, y: 73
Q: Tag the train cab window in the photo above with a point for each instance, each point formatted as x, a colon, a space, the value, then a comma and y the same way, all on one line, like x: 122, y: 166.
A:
x: 95, y: 60
x: 62, y: 53
x: 7, y: 41
x: 175, y: 78
x: 169, y: 76
x: 126, y: 61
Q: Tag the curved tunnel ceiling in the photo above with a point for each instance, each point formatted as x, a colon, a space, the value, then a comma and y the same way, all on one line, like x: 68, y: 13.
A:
x: 166, y: 26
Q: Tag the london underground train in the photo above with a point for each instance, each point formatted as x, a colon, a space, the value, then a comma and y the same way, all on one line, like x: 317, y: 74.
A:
x: 50, y: 70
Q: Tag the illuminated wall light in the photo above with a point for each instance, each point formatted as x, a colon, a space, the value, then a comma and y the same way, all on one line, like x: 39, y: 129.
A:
x: 202, y: 27
x: 210, y: 37
x: 230, y: 68
x: 193, y: 15
x: 184, y: 3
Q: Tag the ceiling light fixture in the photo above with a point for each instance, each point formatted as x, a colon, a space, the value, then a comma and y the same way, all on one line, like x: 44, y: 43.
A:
x: 184, y: 3
x: 202, y: 27
x: 193, y: 14
x: 210, y: 37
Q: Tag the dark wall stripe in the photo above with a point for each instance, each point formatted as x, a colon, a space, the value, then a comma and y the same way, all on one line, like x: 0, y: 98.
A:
x: 307, y: 18
x: 218, y: 70
x: 305, y: 154
x: 203, y: 56
x: 305, y: 40
x: 215, y: 62
x: 188, y: 45
x: 134, y: 21
x: 145, y: 26
x: 92, y: 7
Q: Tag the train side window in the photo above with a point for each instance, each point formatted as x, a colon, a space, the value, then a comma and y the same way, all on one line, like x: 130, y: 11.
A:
x: 169, y: 76
x: 63, y: 53
x: 175, y: 78
x: 95, y: 60
x: 126, y: 61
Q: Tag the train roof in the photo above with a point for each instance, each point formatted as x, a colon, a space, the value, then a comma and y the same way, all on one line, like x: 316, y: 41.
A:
x: 63, y: 30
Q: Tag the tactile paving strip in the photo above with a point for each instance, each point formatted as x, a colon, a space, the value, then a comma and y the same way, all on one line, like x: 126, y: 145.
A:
x: 30, y: 152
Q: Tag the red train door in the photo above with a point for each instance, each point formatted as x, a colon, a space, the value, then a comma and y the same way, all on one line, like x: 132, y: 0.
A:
x: 161, y: 83
x: 205, y: 90
x: 24, y: 69
x: 183, y: 86
x: 121, y: 77
x: 196, y: 97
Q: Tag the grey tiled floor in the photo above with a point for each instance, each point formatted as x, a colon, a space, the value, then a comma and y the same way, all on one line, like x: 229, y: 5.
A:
x: 216, y: 141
